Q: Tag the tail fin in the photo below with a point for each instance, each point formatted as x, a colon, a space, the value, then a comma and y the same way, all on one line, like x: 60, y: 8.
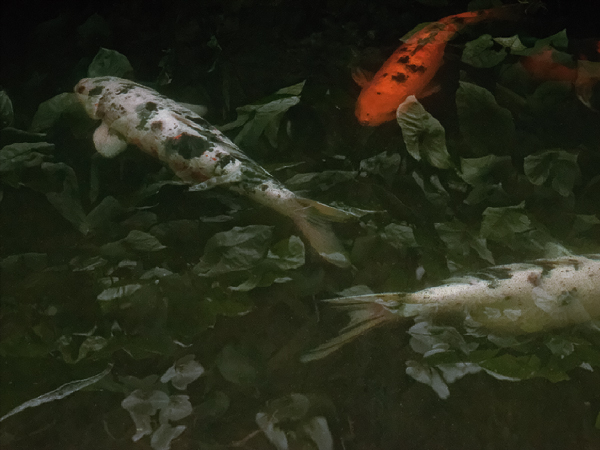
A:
x: 314, y: 220
x: 366, y: 312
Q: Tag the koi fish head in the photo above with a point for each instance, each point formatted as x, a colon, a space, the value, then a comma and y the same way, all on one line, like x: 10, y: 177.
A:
x: 374, y: 107
x: 89, y: 91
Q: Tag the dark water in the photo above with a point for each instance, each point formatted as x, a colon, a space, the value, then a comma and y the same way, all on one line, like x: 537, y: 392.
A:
x: 108, y: 265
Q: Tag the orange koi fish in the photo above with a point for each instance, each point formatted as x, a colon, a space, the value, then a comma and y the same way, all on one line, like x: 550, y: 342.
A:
x: 550, y: 65
x: 412, y: 66
x: 543, y: 66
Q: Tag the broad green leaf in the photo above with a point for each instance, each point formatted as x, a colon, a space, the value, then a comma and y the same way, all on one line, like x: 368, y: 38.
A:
x: 584, y: 222
x: 59, y: 393
x: 479, y: 53
x: 499, y: 224
x: 476, y: 171
x: 559, y: 41
x: 399, y: 236
x: 114, y: 293
x: 385, y: 164
x: 15, y: 157
x: 234, y: 250
x: 287, y: 254
x: 558, y: 166
x: 50, y: 111
x: 423, y: 134
x: 178, y: 408
x: 143, y: 242
x: 109, y: 63
x: 429, y: 376
x: 512, y: 367
x: 318, y: 430
x: 275, y: 435
x: 513, y: 43
x: 24, y: 263
x: 264, y: 117
x: 164, y: 434
x: 183, y: 372
x: 461, y: 240
x: 141, y: 405
x: 215, y: 404
x: 67, y: 202
x: 236, y: 367
x: 485, y: 126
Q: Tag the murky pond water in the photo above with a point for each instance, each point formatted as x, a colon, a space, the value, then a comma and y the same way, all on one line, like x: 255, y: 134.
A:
x: 139, y: 313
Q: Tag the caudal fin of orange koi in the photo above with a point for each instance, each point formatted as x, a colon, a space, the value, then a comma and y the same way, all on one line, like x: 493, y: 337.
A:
x: 314, y: 219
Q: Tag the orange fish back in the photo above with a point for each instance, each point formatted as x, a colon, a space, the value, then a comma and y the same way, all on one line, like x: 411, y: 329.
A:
x: 413, y: 65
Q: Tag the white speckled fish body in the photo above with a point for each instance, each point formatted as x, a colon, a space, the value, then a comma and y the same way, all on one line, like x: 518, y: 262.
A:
x: 198, y: 153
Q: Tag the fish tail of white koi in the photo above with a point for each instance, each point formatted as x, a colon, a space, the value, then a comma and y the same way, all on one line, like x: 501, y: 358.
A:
x: 314, y: 220
x: 366, y: 312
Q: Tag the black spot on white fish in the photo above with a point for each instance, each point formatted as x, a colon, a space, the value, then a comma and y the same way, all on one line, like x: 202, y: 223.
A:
x: 96, y: 91
x: 186, y: 145
x: 225, y: 160
x: 156, y: 126
x: 263, y: 187
x: 145, y: 113
x: 199, y: 121
x: 399, y: 77
x: 534, y: 278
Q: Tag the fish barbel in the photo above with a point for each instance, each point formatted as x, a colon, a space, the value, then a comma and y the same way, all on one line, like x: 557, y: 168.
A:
x: 199, y: 154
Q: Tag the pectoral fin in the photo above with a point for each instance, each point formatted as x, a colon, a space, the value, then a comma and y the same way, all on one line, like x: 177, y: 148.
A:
x: 428, y: 90
x: 107, y: 143
x: 361, y: 77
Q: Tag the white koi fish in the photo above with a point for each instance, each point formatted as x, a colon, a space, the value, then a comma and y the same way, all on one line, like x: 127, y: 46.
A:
x: 513, y: 299
x: 199, y: 154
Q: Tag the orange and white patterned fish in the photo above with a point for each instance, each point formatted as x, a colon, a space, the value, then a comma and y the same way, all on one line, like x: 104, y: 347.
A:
x: 199, y: 154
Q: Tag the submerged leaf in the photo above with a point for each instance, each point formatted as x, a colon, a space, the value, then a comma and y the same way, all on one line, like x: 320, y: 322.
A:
x: 479, y: 53
x: 143, y: 242
x: 49, y: 112
x: 384, y: 164
x: 500, y: 224
x: 557, y: 165
x: 423, y: 134
x: 236, y: 367
x: 318, y: 430
x: 183, y: 372
x: 162, y: 437
x: 234, y: 250
x: 486, y: 126
x: 179, y: 407
x: 57, y: 394
x: 264, y: 117
x: 67, y: 201
x: 109, y: 63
